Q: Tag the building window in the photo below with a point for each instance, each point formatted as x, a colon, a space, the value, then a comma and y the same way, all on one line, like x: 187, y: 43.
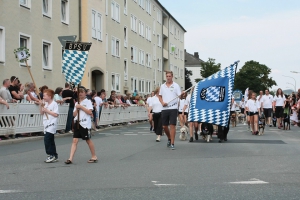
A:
x: 125, y: 37
x: 148, y: 87
x: 133, y: 84
x: 148, y: 60
x: 159, y: 64
x: 115, y: 11
x: 47, y: 55
x: 2, y: 45
x: 142, y: 57
x: 133, y: 51
x: 96, y: 25
x: 125, y: 70
x: 115, y: 47
x: 148, y: 6
x: 125, y: 7
x: 141, y: 28
x: 148, y: 33
x: 65, y: 11
x: 25, y: 41
x: 159, y: 16
x: 159, y: 40
x: 142, y: 4
x: 115, y: 82
x: 154, y: 52
x: 181, y: 73
x: 106, y: 7
x: 25, y: 3
x: 175, y: 71
x: 154, y: 25
x: 133, y: 23
x: 47, y: 8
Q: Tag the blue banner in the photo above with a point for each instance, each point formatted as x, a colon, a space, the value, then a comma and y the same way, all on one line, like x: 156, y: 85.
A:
x: 211, y: 99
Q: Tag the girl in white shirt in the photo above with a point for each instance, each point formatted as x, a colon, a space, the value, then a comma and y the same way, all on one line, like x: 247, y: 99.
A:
x: 253, y: 107
x: 278, y: 106
x: 156, y: 107
x: 182, y: 118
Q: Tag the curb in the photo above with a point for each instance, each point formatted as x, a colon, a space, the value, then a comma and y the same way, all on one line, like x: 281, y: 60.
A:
x: 35, y: 138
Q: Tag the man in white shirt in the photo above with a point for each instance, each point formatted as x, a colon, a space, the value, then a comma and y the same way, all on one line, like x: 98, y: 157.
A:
x: 260, y: 97
x: 167, y: 97
x: 266, y: 104
x: 4, y: 92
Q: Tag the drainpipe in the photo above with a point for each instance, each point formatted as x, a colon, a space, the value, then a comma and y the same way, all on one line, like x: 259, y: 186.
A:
x: 79, y: 35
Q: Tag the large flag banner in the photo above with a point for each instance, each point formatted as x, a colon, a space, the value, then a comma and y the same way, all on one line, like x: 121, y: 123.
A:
x: 246, y: 95
x: 74, y: 61
x: 211, y: 99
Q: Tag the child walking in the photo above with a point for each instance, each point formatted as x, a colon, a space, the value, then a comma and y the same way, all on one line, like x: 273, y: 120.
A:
x: 49, y: 110
x: 85, y: 109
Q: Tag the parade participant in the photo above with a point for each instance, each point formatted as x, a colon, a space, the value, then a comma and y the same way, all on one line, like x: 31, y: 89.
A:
x: 242, y: 105
x: 260, y: 97
x: 191, y: 124
x: 278, y: 106
x: 50, y: 108
x: 246, y: 110
x: 182, y: 115
x: 156, y: 108
x: 84, y: 107
x: 266, y: 104
x: 148, y: 102
x: 253, y: 107
x: 167, y: 96
x: 233, y: 106
x: 67, y: 92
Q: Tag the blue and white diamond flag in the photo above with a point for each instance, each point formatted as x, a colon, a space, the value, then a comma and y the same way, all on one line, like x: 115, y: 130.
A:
x: 74, y: 61
x: 210, y: 101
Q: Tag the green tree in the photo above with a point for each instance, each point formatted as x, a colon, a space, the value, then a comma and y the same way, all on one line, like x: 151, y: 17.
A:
x: 188, y: 82
x: 209, y: 67
x: 255, y: 76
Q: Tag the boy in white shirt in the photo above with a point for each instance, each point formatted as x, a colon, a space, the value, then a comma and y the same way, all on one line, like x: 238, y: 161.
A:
x: 49, y: 110
x: 85, y: 109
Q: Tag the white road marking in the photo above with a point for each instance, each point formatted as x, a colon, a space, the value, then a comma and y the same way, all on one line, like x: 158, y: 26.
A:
x: 130, y: 134
x: 9, y: 191
x: 253, y: 181
x: 148, y: 134
x: 156, y: 183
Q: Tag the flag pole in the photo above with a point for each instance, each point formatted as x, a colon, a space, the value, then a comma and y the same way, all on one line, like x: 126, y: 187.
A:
x: 184, y: 92
x: 78, y: 111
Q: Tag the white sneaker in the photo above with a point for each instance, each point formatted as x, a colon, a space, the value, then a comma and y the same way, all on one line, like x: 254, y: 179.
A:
x: 158, y: 138
x: 50, y: 159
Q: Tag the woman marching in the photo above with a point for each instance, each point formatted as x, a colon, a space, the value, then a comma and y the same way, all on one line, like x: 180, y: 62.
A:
x: 247, y: 111
x: 278, y: 106
x: 253, y: 108
x: 182, y: 118
x: 156, y: 108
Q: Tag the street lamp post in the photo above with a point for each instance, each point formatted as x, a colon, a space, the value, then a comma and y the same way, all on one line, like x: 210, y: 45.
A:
x: 292, y: 78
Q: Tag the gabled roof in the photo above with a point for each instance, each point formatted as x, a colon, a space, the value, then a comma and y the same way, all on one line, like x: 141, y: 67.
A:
x: 191, y: 59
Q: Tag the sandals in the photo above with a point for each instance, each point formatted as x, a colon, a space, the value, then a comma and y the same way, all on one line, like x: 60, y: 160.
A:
x: 92, y: 160
x: 68, y: 162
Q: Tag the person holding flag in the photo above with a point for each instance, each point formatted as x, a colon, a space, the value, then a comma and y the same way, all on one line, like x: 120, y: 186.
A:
x: 167, y: 97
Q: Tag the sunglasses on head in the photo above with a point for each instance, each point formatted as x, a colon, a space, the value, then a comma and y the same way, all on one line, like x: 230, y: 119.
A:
x: 15, y: 79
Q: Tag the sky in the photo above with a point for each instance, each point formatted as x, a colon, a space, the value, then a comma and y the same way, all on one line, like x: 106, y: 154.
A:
x: 266, y: 31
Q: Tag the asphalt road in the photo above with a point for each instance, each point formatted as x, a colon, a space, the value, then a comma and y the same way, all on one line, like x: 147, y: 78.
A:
x: 133, y: 166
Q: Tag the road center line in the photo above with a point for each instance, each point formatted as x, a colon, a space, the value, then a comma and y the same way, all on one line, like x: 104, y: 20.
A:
x: 9, y: 191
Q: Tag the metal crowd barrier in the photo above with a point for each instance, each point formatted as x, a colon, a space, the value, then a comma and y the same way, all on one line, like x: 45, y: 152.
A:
x: 118, y: 114
x: 26, y: 118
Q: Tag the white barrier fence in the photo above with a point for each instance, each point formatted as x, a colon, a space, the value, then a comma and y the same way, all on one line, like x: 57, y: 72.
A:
x: 26, y: 117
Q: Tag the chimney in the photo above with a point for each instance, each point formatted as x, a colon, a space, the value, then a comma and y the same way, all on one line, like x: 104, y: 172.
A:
x: 196, y: 55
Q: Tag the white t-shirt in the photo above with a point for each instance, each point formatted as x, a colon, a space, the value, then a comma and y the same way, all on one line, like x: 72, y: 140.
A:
x: 57, y: 97
x: 267, y: 101
x: 252, y: 105
x: 181, y: 105
x: 259, y: 98
x: 279, y: 101
x: 50, y: 124
x: 85, y: 119
x: 98, y: 101
x: 156, y: 105
x: 128, y: 102
x: 242, y: 104
x: 233, y: 105
x: 170, y: 93
x: 149, y: 100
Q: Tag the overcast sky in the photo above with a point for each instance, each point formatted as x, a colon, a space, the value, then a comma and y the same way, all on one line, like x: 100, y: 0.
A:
x: 267, y: 31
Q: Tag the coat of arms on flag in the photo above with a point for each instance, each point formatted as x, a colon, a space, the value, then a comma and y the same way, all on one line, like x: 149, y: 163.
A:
x: 211, y: 99
x: 74, y: 61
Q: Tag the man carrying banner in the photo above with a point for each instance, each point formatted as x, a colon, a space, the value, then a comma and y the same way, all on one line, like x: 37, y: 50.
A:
x: 167, y: 97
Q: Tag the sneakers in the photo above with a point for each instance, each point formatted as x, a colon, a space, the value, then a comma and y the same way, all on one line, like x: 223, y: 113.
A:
x: 158, y: 138
x: 50, y: 159
x: 172, y: 147
x: 150, y: 128
x: 196, y: 136
x: 169, y: 143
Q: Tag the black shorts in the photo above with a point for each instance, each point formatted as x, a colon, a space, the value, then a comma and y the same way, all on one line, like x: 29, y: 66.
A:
x: 169, y: 117
x: 185, y: 113
x: 247, y: 113
x: 268, y: 112
x: 279, y: 111
x: 83, y: 133
x: 253, y: 113
x: 242, y: 110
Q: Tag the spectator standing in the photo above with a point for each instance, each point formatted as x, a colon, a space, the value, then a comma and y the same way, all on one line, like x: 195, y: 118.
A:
x: 4, y: 92
x: 67, y: 92
x: 156, y: 108
x: 14, y: 89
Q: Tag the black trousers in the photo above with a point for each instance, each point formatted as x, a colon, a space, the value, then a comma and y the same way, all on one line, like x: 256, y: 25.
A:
x: 157, y: 123
x: 50, y: 146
